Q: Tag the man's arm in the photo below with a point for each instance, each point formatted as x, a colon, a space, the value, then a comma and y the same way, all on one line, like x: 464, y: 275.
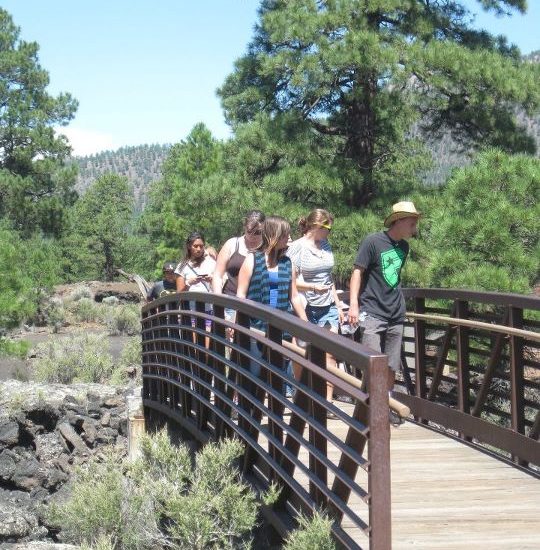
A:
x: 355, y: 284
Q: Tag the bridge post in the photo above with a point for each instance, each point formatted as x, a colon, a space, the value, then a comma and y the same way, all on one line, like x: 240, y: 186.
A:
x: 380, y: 516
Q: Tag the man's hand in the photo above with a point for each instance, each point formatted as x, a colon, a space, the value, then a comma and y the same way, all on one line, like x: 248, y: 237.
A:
x: 353, y: 314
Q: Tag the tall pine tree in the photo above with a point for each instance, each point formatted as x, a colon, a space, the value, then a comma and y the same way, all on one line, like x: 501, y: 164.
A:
x: 360, y: 73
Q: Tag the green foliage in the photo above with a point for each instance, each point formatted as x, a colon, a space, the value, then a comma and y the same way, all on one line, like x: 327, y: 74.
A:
x: 85, y: 310
x: 82, y: 357
x: 104, y: 504
x: 16, y: 348
x: 28, y: 268
x: 34, y: 185
x: 314, y: 532
x: 355, y: 77
x: 122, y: 319
x: 98, y: 228
x: 161, y: 500
x: 485, y: 230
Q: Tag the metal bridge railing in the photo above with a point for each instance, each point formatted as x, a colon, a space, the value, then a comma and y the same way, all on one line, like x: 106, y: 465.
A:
x: 194, y: 375
x: 472, y: 368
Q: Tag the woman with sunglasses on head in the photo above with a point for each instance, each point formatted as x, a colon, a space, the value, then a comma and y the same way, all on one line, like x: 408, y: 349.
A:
x: 313, y: 260
x: 267, y: 276
x: 233, y: 253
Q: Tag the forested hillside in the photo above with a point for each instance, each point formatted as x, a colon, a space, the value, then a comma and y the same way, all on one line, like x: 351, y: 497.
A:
x: 141, y: 165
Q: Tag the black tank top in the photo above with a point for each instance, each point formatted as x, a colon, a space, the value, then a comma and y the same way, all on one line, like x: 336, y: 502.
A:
x: 233, y: 268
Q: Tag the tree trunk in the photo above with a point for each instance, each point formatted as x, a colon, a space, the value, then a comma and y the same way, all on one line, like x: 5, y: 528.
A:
x: 360, y: 145
x: 108, y: 268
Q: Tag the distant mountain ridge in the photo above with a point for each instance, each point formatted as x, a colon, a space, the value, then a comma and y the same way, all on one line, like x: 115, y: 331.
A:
x: 141, y: 164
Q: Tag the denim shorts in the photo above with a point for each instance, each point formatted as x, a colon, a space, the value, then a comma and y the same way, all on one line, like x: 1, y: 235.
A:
x: 323, y: 315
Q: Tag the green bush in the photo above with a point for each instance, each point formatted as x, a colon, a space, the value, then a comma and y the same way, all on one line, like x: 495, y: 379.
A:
x: 312, y: 533
x: 80, y: 292
x: 105, y: 506
x: 81, y: 357
x: 123, y: 320
x: 17, y: 348
x: 130, y: 358
x: 85, y: 310
x: 161, y: 500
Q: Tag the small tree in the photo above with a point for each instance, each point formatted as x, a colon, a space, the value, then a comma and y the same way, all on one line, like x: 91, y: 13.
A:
x: 101, y: 219
x: 34, y: 185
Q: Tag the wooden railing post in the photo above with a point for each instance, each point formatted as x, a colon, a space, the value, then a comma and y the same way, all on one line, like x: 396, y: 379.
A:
x: 420, y: 349
x: 380, y: 516
x: 463, y: 367
x: 516, y: 372
x: 318, y: 385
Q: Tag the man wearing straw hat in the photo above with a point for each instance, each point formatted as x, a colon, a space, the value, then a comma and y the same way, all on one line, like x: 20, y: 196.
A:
x: 377, y: 302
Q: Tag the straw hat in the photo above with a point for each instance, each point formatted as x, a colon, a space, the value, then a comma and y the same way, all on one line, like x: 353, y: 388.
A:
x: 403, y: 209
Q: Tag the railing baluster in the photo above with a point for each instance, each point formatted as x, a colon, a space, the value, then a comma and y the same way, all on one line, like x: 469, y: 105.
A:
x: 420, y: 349
x: 463, y: 367
x: 516, y: 372
x: 318, y: 384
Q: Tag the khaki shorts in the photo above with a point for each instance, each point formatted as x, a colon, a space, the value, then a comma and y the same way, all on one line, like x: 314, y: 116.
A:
x: 382, y: 337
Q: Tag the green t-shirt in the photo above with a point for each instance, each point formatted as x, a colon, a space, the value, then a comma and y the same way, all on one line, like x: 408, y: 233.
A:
x: 382, y: 259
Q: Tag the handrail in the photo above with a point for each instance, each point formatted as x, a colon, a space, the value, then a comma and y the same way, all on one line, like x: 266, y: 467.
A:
x: 191, y: 376
x: 480, y: 377
x: 492, y: 327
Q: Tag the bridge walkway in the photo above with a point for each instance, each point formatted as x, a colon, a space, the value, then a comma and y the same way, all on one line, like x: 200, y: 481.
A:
x: 447, y: 495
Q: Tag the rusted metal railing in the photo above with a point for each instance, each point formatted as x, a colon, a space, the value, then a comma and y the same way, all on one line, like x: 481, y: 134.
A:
x: 472, y: 368
x: 194, y: 375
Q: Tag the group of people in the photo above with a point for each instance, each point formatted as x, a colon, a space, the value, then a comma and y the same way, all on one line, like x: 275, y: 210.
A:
x: 264, y: 265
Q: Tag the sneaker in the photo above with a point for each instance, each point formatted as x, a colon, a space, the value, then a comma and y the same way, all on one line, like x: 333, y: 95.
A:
x: 331, y: 416
x: 395, y: 419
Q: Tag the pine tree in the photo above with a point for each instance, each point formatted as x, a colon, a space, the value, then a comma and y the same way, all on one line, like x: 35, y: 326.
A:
x: 360, y: 73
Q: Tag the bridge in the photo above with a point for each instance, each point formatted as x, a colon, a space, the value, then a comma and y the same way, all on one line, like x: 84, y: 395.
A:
x: 463, y: 469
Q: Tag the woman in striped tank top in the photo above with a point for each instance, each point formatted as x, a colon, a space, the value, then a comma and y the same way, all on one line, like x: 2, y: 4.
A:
x: 266, y: 276
x: 312, y: 257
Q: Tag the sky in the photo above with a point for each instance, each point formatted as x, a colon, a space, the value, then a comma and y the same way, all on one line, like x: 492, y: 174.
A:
x: 147, y: 72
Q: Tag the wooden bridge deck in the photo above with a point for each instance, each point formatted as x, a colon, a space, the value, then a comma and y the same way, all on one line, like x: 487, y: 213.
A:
x: 447, y: 495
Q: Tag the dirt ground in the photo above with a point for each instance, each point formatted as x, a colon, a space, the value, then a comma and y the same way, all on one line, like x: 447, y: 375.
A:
x: 20, y: 369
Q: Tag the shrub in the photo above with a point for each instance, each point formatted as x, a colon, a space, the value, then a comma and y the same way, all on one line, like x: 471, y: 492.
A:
x: 54, y: 313
x: 85, y: 310
x: 130, y: 358
x: 106, y: 506
x: 123, y: 320
x: 80, y: 357
x: 312, y: 533
x: 80, y: 292
x: 17, y: 348
x: 161, y: 500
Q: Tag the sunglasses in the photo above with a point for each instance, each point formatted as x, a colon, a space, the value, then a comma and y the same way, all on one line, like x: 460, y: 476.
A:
x: 325, y: 226
x: 255, y: 232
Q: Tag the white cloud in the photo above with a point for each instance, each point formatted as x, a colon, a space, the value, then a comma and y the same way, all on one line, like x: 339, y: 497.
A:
x: 87, y: 142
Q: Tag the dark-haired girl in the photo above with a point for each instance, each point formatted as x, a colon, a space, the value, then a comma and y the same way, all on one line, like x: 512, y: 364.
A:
x: 196, y: 270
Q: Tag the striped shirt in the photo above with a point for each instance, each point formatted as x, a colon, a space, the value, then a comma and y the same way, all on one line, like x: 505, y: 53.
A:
x: 315, y: 265
x: 259, y: 285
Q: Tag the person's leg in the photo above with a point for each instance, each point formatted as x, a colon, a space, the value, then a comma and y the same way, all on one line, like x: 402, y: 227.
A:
x: 392, y: 348
x: 371, y: 334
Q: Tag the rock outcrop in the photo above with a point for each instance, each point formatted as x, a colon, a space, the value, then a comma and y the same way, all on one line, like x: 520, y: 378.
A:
x: 45, y: 431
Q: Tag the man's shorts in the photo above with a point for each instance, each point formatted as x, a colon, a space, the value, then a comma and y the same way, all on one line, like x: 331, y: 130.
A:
x: 382, y: 337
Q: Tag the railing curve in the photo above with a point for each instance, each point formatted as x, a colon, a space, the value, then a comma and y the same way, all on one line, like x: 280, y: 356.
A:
x: 207, y: 384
